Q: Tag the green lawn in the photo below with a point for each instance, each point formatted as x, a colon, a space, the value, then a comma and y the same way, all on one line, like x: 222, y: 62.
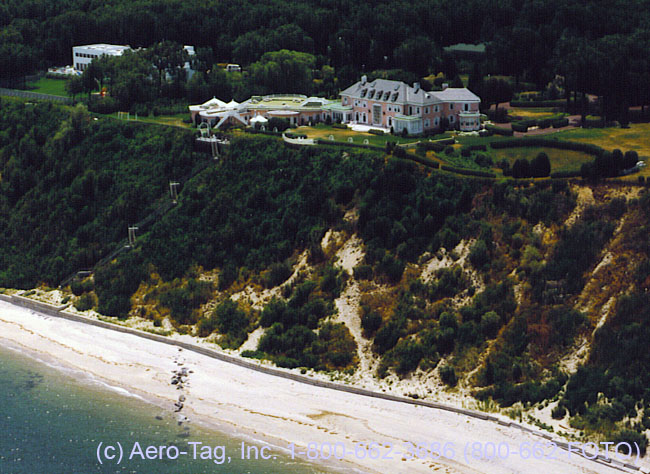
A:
x: 341, y: 135
x: 49, y: 86
x: 561, y: 160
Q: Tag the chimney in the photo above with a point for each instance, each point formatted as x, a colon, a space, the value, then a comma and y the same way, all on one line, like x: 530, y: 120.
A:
x: 445, y: 85
x: 364, y: 79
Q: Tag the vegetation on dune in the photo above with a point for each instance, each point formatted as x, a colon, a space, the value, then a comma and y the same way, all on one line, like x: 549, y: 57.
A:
x: 501, y: 312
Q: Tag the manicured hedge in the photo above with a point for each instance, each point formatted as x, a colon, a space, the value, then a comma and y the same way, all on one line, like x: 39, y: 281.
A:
x: 320, y: 141
x: 544, y: 123
x: 550, y: 143
x: 374, y: 131
x: 499, y: 131
x: 431, y: 146
x: 565, y: 174
x: 559, y: 123
x: 263, y: 132
x: 482, y: 174
x: 593, y: 122
x: 340, y: 125
x: 422, y: 160
x: 446, y: 141
x: 519, y: 127
x: 478, y: 147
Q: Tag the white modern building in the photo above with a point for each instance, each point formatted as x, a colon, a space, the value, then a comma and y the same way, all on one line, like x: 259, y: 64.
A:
x: 83, y: 55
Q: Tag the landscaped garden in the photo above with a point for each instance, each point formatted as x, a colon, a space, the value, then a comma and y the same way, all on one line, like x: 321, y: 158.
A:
x: 324, y: 132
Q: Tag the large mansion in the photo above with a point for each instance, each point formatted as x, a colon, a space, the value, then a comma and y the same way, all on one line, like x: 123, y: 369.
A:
x: 381, y: 104
x: 396, y: 105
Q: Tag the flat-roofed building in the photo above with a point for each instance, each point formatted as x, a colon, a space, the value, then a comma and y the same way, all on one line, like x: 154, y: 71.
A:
x: 82, y: 56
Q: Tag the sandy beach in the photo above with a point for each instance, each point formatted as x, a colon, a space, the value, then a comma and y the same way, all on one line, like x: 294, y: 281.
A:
x: 278, y: 411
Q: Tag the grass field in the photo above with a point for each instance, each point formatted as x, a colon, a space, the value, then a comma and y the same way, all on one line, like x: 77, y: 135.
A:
x: 538, y: 113
x: 561, y: 160
x: 340, y: 135
x: 636, y: 137
x: 49, y: 86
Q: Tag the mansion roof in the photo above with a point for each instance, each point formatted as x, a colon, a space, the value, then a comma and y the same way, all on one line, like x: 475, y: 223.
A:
x: 398, y: 92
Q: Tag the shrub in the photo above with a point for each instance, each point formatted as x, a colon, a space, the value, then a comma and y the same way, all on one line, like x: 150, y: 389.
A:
x: 540, y: 166
x: 483, y: 160
x: 482, y: 174
x: 430, y: 146
x: 408, y: 354
x: 490, y: 324
x: 519, y: 127
x: 521, y: 169
x: 374, y: 131
x: 279, y: 123
x: 370, y: 322
x: 448, y: 375
x: 565, y: 174
x: 340, y: 125
x: 85, y: 302
x: 231, y: 321
x: 478, y: 147
x: 78, y: 287
x: 550, y: 143
x: 253, y: 354
x: 631, y: 437
x: 363, y: 272
x: 277, y: 274
x: 558, y: 412
x: 466, y: 152
x: 206, y: 326
x: 559, y: 123
x: 449, y: 150
x: 479, y: 254
x: 499, y: 131
x: 227, y: 276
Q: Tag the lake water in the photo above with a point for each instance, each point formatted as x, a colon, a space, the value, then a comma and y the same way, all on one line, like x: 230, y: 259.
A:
x: 52, y: 420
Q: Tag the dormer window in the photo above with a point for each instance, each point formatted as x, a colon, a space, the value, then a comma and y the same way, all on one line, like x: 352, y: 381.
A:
x: 363, y: 93
x: 371, y: 94
x: 395, y: 96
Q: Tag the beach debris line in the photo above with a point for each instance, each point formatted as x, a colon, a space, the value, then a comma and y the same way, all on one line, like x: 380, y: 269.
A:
x: 180, y: 379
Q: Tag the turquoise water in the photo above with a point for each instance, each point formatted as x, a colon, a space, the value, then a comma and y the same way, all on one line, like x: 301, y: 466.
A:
x: 52, y: 420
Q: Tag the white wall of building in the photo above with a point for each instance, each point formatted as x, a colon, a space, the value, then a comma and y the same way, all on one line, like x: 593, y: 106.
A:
x: 82, y: 56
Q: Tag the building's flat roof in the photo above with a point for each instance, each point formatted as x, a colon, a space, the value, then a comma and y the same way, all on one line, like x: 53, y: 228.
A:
x: 104, y: 48
x: 285, y: 102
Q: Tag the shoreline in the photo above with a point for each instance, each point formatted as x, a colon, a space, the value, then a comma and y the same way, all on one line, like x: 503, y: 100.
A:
x: 258, y: 405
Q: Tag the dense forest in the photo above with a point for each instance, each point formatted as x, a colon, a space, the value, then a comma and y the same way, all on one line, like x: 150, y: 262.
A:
x: 70, y: 186
x: 598, y: 46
